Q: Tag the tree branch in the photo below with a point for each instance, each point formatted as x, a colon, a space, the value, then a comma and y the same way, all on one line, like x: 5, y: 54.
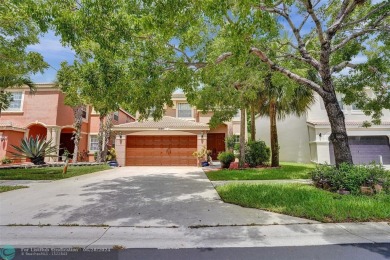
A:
x: 380, y: 6
x: 346, y: 8
x: 181, y: 51
x: 223, y: 57
x: 310, y: 10
x: 343, y: 65
x: 301, y: 45
x: 355, y: 35
x: 263, y: 57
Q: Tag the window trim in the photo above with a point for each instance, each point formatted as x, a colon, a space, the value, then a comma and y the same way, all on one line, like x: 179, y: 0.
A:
x: 21, y: 101
x: 191, y: 109
x: 90, y: 142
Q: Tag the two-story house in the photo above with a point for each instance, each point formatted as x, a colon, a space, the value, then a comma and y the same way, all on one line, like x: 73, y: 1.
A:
x: 45, y: 114
x: 172, y: 140
x: 306, y: 138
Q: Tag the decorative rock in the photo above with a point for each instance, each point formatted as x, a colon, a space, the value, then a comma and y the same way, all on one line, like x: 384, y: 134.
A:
x: 378, y: 188
x: 366, y: 190
x: 343, y: 192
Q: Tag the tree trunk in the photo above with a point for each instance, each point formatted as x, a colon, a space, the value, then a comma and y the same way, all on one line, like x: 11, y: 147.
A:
x: 274, y: 134
x: 253, y: 126
x: 241, y: 163
x: 78, y: 121
x: 338, y: 137
x: 107, y: 134
x: 100, y: 139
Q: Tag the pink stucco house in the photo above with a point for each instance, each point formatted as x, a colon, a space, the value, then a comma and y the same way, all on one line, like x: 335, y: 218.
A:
x: 45, y: 114
x: 172, y: 140
x: 169, y: 141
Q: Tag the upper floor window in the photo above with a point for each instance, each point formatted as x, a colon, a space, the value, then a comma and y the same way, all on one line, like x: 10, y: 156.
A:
x: 16, y: 101
x: 84, y: 112
x: 116, y: 115
x: 184, y: 110
x: 354, y: 107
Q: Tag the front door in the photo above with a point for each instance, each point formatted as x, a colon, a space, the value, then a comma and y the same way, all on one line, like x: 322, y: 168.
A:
x: 216, y: 144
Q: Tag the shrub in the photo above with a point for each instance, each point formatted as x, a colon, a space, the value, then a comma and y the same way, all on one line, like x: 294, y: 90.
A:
x: 226, y: 158
x: 350, y: 177
x: 111, y: 155
x: 6, y: 160
x: 36, y: 149
x: 257, y: 153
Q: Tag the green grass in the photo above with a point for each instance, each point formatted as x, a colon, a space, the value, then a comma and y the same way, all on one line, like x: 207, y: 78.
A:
x: 49, y: 173
x: 286, y: 171
x: 306, y: 201
x: 8, y: 188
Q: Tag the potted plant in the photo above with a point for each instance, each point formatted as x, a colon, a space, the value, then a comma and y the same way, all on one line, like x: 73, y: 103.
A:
x: 111, y: 158
x: 201, y: 156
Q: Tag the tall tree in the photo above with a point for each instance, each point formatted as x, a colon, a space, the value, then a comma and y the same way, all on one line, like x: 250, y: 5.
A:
x: 70, y: 82
x: 280, y: 98
x: 327, y: 36
x: 17, y: 31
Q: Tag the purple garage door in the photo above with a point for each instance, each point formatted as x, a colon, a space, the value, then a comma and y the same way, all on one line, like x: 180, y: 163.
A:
x: 366, y: 149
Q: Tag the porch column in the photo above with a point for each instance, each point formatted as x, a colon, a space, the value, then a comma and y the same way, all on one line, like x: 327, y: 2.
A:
x: 53, y: 135
x: 323, y: 153
x: 201, y: 140
x: 120, y: 148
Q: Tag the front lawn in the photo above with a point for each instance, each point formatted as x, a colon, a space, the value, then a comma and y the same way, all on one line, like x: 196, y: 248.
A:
x: 306, y: 201
x: 49, y: 173
x: 286, y: 171
x: 8, y: 188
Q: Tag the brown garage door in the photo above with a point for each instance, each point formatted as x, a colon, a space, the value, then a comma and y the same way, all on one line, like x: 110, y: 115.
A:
x: 160, y: 150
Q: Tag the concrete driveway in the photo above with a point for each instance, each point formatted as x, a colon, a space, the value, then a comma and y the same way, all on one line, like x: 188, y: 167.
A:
x: 130, y: 196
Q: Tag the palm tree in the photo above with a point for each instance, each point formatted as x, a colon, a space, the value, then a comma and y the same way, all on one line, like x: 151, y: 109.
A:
x: 277, y: 101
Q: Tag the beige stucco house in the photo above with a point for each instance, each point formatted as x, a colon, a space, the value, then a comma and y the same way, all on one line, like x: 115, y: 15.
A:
x: 306, y: 138
x: 171, y: 140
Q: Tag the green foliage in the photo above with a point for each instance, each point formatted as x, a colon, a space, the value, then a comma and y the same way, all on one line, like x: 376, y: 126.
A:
x: 230, y: 142
x: 257, y: 153
x: 9, y: 188
x: 18, y: 30
x: 287, y: 170
x: 226, y: 158
x: 49, y: 173
x: 6, y: 160
x: 111, y: 155
x: 351, y: 177
x: 35, y: 149
x: 306, y: 201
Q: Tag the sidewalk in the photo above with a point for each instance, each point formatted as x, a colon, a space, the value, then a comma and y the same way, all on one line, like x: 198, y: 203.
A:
x: 200, y: 237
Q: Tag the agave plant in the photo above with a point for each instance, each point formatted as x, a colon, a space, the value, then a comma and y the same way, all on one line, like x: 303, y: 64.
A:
x: 36, y: 149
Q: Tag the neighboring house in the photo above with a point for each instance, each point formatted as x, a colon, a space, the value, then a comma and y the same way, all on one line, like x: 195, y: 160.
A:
x: 306, y: 138
x: 172, y: 140
x: 44, y: 114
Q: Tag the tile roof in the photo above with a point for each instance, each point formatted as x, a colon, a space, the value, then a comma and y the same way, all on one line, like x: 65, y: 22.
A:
x: 348, y: 123
x: 166, y: 123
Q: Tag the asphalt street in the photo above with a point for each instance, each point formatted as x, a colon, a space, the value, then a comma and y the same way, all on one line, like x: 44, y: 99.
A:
x: 335, y: 252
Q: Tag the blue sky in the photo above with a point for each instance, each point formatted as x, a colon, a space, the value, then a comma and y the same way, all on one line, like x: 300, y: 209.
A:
x: 54, y: 53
